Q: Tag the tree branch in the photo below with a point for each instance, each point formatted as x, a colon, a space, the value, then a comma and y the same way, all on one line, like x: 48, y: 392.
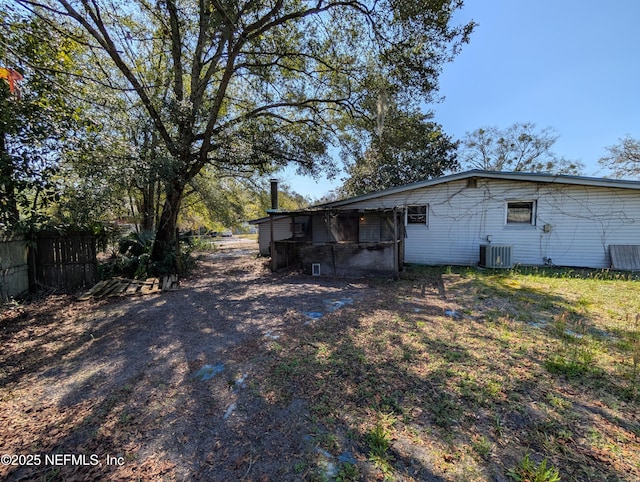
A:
x: 100, y: 33
x: 176, y: 51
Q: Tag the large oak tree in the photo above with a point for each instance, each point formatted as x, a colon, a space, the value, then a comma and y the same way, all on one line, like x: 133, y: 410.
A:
x: 408, y: 147
x: 252, y: 84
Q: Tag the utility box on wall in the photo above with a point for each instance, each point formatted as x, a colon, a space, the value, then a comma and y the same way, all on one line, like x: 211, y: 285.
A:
x: 495, y: 256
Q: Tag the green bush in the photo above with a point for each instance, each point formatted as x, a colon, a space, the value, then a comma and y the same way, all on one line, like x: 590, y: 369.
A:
x: 132, y: 259
x: 135, y: 244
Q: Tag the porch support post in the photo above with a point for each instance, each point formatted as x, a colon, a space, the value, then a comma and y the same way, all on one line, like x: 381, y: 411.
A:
x: 396, y: 268
x: 272, y: 246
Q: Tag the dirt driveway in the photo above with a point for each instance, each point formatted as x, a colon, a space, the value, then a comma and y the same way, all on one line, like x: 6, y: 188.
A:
x: 161, y: 386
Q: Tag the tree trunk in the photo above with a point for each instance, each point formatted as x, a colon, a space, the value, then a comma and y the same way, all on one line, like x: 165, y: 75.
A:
x: 164, y: 244
x: 147, y: 209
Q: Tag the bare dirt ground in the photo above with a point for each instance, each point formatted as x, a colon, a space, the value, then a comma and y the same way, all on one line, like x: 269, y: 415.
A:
x: 160, y: 386
x: 242, y: 374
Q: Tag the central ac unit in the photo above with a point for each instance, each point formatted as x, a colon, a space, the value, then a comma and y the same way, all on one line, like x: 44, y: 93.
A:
x: 495, y: 256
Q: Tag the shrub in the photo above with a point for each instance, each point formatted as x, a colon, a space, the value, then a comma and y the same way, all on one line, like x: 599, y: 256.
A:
x: 132, y: 259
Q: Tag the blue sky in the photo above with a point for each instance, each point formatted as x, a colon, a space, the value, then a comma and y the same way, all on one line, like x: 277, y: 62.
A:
x: 567, y: 64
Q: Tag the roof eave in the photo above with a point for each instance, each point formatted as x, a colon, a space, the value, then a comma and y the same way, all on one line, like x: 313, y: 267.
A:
x: 478, y: 173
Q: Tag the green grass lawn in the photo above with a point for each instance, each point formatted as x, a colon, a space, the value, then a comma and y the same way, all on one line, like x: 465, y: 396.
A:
x: 472, y: 374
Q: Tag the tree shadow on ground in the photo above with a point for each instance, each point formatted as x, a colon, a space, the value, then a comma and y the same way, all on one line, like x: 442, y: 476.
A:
x: 295, y: 399
x: 119, y: 378
x: 463, y: 399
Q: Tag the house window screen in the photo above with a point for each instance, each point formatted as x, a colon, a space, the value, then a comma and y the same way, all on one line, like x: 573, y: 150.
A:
x: 386, y: 228
x: 369, y: 227
x: 344, y: 227
x: 418, y: 214
x: 520, y: 212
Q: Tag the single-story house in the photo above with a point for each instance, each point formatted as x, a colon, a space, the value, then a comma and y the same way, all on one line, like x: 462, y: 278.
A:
x: 495, y: 219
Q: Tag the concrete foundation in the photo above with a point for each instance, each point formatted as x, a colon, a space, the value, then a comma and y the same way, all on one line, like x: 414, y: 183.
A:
x: 349, y: 259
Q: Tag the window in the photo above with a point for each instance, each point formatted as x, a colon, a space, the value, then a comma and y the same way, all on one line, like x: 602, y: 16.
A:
x: 521, y: 213
x: 344, y: 227
x: 299, y: 229
x: 418, y: 214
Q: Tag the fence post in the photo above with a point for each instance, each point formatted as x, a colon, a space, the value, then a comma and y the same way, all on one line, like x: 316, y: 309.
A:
x: 32, y: 246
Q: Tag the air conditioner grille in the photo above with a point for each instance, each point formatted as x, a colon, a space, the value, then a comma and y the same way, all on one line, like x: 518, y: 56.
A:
x: 495, y: 256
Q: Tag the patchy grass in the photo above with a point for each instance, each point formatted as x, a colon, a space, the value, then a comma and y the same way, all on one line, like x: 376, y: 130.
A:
x: 477, y: 375
x: 529, y: 471
x: 448, y: 374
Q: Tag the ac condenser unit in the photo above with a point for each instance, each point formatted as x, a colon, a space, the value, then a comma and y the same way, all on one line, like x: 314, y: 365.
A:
x: 495, y: 256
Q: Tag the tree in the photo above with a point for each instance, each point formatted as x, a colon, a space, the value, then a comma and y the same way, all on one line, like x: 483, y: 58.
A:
x: 120, y: 166
x: 253, y: 84
x: 227, y: 201
x: 518, y: 148
x: 407, y: 148
x: 623, y: 159
x: 9, y: 214
x: 35, y: 120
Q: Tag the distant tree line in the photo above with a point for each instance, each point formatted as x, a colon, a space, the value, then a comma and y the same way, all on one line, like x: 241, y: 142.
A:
x: 404, y: 154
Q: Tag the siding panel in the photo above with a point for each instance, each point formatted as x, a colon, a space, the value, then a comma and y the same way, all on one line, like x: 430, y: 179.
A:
x: 583, y: 221
x: 281, y: 230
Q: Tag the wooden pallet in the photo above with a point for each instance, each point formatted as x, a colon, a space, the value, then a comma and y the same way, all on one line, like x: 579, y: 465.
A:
x: 125, y: 287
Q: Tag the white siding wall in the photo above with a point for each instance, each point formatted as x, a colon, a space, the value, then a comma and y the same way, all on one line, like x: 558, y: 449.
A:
x: 585, y: 220
x: 281, y: 230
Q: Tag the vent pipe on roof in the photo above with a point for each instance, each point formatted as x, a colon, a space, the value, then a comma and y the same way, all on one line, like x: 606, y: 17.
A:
x: 274, y: 194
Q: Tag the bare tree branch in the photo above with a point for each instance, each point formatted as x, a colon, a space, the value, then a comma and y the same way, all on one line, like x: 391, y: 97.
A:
x: 101, y: 35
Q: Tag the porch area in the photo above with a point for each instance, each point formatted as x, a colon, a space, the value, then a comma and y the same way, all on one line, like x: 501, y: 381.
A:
x: 344, y: 243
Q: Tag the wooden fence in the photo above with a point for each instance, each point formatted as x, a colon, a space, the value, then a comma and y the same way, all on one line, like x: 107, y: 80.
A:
x: 14, y: 266
x: 64, y: 262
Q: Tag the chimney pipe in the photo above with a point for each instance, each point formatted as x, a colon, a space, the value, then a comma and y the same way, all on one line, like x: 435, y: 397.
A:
x: 274, y: 194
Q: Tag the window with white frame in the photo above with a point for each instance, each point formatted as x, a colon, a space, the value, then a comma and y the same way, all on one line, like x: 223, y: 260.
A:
x: 418, y: 214
x: 521, y: 213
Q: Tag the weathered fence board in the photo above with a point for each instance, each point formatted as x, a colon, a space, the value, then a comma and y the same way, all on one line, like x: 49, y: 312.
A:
x: 626, y: 257
x: 14, y: 266
x: 127, y: 287
x: 67, y: 262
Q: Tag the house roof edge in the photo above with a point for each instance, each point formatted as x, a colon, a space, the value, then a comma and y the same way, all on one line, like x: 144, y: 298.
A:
x: 478, y: 173
x: 505, y: 175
